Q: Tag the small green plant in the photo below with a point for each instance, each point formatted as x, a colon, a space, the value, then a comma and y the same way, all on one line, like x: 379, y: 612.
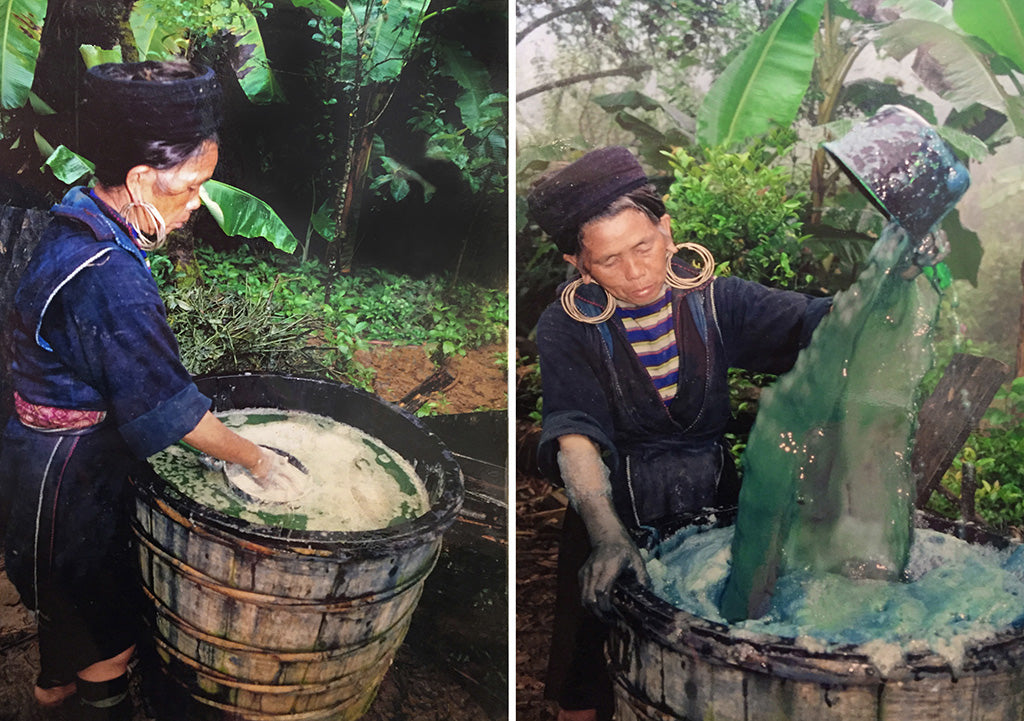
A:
x: 995, y: 449
x: 739, y: 207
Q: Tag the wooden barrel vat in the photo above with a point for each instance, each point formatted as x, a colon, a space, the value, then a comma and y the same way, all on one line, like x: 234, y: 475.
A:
x: 258, y: 623
x: 669, y: 664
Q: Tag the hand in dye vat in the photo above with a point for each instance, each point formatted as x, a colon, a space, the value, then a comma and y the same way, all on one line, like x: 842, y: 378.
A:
x: 608, y: 560
x: 275, y: 477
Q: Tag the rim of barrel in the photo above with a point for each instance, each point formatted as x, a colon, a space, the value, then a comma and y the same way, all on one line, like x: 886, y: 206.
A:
x: 438, y: 518
x: 644, y: 611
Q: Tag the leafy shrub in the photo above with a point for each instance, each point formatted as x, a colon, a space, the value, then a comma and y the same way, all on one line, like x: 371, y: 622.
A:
x: 738, y: 207
x: 267, y: 312
x: 995, y: 450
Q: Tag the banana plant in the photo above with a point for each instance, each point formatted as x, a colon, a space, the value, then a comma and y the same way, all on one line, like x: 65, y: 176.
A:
x: 766, y: 83
x: 21, y: 27
x: 369, y: 42
x: 979, y: 45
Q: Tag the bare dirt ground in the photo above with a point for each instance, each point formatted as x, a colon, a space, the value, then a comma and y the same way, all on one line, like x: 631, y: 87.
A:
x: 478, y: 379
x: 453, y: 665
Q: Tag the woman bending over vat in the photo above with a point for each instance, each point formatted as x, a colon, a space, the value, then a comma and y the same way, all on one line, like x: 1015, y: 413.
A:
x: 634, y: 362
x: 98, y: 382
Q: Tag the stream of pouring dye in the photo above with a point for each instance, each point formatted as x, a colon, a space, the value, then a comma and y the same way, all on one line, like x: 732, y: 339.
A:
x: 827, y: 482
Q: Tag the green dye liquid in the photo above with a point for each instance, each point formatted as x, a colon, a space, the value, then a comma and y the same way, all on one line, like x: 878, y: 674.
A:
x: 357, y: 482
x: 827, y: 483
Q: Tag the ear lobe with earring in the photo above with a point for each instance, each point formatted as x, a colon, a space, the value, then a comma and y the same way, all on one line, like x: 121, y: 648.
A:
x: 707, y: 269
x: 130, y: 211
x: 568, y: 299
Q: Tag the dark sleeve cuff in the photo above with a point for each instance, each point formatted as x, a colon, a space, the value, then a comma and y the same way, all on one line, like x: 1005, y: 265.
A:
x: 564, y: 423
x: 816, y: 310
x: 166, y: 424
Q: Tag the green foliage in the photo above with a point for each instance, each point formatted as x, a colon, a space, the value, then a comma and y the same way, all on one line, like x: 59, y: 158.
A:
x: 998, y: 22
x: 244, y: 327
x: 21, y: 26
x: 739, y: 207
x: 241, y: 213
x: 218, y: 319
x: 477, y: 150
x: 764, y: 85
x: 995, y: 450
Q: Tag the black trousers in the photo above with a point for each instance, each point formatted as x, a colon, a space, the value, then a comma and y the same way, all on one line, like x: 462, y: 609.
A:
x: 577, y: 676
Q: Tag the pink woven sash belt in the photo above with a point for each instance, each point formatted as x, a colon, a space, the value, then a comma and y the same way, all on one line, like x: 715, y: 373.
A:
x: 48, y: 418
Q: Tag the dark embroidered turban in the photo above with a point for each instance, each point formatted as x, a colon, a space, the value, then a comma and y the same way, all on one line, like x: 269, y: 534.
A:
x: 150, y: 101
x: 563, y: 202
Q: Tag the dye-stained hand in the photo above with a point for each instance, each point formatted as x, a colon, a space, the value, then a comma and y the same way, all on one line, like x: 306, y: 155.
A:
x: 607, y: 562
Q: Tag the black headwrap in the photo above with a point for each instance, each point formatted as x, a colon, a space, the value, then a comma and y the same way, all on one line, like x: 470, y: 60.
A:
x: 563, y: 202
x: 134, y: 100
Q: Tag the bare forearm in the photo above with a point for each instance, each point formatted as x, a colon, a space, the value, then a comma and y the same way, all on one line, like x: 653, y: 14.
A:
x: 586, y: 481
x: 214, y: 438
x: 612, y: 549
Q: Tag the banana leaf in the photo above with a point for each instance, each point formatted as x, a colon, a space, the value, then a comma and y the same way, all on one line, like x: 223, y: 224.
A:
x: 967, y: 74
x: 473, y: 80
x: 766, y: 83
x: 241, y: 213
x: 922, y: 10
x: 1000, y: 23
x: 22, y: 26
x: 93, y: 55
x: 389, y: 31
x: 250, y: 58
x: 67, y: 165
x: 155, y: 37
x: 323, y: 8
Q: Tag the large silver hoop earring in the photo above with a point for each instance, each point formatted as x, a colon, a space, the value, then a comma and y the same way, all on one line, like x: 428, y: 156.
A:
x: 129, y: 212
x: 707, y: 268
x: 569, y: 305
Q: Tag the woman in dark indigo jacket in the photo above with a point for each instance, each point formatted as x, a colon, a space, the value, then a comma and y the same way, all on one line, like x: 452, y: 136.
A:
x: 98, y: 383
x: 634, y: 362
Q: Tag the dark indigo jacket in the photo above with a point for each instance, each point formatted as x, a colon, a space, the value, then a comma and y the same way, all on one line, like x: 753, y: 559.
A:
x: 664, y: 461
x: 91, y: 331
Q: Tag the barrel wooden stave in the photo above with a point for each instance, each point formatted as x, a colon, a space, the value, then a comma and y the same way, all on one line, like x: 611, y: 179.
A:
x: 269, y: 622
x: 298, y: 573
x: 276, y: 700
x: 257, y: 665
x: 256, y: 623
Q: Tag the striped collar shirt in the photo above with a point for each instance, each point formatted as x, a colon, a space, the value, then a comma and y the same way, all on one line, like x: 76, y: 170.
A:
x: 650, y: 331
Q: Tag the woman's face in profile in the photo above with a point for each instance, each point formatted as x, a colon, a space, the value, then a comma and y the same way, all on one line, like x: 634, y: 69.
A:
x: 175, y: 191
